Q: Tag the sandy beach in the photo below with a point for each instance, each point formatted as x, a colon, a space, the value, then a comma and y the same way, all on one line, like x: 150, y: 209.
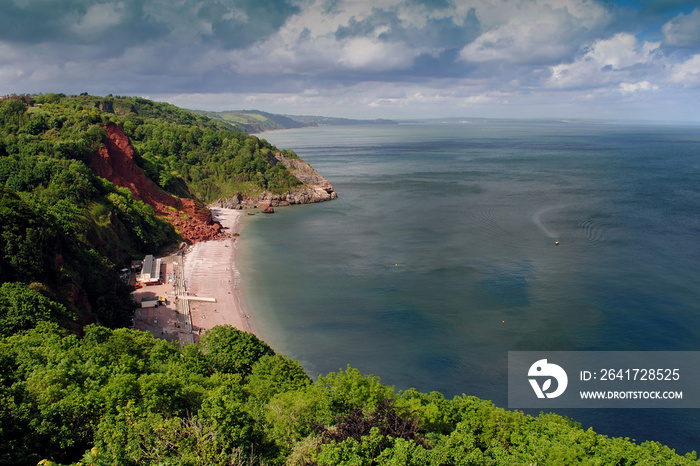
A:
x: 210, y: 272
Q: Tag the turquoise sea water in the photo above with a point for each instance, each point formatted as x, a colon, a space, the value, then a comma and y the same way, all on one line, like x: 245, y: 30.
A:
x: 443, y: 231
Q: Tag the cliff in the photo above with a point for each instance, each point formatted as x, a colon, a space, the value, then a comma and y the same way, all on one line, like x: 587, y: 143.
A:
x: 115, y: 162
x: 315, y: 188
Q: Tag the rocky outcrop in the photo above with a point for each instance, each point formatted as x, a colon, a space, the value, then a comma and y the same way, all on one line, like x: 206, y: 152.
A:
x: 115, y: 162
x: 315, y: 188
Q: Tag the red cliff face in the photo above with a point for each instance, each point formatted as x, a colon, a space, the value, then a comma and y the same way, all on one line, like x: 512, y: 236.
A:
x: 115, y: 162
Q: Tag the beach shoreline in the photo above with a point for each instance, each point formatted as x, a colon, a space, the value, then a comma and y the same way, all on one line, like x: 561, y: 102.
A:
x: 211, y: 271
x: 212, y: 280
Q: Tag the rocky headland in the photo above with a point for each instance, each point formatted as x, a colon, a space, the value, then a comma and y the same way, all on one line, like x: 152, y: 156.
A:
x: 315, y: 188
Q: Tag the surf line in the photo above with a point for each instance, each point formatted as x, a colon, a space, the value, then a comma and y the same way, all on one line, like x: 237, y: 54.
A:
x: 537, y: 221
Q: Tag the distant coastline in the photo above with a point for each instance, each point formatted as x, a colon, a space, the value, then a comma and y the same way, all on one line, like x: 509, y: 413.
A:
x: 256, y: 121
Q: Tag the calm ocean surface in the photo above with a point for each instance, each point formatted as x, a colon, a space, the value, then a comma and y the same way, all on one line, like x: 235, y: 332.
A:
x: 443, y: 231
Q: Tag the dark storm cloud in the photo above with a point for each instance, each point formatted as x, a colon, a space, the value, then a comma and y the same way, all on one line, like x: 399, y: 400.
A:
x: 241, y: 23
x: 431, y: 4
x: 443, y: 33
x: 332, y: 6
x: 77, y: 22
x: 234, y: 23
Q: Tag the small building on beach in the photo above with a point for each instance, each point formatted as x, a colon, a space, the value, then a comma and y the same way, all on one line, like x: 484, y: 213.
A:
x: 150, y: 272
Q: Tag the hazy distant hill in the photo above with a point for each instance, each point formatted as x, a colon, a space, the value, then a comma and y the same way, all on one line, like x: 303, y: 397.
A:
x: 256, y: 121
x: 310, y: 120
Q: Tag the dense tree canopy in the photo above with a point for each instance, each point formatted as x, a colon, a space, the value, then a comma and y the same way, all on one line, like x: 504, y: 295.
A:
x: 123, y: 397
x: 181, y: 151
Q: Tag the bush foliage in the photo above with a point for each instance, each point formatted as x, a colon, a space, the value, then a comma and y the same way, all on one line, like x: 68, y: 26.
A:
x: 123, y: 397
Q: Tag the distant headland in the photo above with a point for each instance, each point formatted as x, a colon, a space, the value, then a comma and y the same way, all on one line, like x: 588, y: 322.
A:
x: 256, y: 121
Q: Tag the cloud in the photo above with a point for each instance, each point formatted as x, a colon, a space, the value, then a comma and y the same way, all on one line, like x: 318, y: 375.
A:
x: 605, y: 61
x: 353, y: 56
x: 99, y: 17
x: 73, y: 22
x: 683, y: 30
x: 367, y: 54
x: 241, y: 23
x: 403, y: 38
x: 687, y: 72
x: 361, y: 100
x: 536, y: 31
x: 414, y: 24
x: 629, y: 88
x: 225, y: 23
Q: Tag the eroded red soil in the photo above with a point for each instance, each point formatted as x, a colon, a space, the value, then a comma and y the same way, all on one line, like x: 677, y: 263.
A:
x: 115, y: 162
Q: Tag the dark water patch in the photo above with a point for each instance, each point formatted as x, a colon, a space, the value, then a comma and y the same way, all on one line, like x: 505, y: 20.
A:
x: 509, y: 285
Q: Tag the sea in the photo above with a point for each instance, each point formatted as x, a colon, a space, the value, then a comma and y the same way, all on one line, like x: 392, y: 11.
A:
x: 452, y: 243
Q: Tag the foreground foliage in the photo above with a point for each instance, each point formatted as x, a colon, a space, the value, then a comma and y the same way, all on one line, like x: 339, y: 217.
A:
x: 124, y: 397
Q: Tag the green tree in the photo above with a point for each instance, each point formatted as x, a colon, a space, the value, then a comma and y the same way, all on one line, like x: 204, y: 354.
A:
x: 350, y: 389
x: 224, y: 411
x: 229, y: 350
x: 22, y: 308
x: 13, y: 112
x: 273, y: 374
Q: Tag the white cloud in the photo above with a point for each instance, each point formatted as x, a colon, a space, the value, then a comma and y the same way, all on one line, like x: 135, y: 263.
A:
x: 307, y: 44
x: 621, y: 51
x: 390, y: 34
x: 372, y: 55
x: 630, y: 88
x: 363, y: 100
x: 98, y: 17
x: 604, y: 62
x: 683, y: 30
x: 686, y: 73
x: 533, y: 31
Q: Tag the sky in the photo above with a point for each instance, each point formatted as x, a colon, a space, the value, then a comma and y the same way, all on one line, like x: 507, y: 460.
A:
x: 600, y: 59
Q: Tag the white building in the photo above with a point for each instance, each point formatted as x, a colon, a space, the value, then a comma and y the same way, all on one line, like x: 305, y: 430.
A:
x: 150, y: 272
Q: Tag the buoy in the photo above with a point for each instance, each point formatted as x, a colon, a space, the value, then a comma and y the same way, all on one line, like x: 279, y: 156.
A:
x: 503, y: 321
x: 557, y: 243
x: 396, y: 265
